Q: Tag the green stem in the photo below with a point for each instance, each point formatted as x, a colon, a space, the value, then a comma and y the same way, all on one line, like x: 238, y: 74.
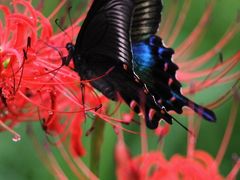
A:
x: 96, y: 144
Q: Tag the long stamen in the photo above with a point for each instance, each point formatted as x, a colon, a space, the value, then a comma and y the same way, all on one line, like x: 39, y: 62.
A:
x: 234, y: 172
x: 49, y: 161
x: 199, y: 61
x: 228, y: 132
x: 196, y: 32
x: 57, y: 9
x: 144, y: 142
x: 180, y: 22
x: 166, y: 25
x: 191, y: 139
x: 78, y: 164
x: 222, y: 98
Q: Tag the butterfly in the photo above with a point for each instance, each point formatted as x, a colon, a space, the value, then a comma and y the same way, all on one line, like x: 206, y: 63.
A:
x: 117, y: 42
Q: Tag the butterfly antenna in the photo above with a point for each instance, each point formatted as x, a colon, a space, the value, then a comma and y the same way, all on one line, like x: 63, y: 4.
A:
x: 82, y: 86
x: 70, y: 19
x: 60, y: 27
x: 55, y: 71
x: 63, y: 58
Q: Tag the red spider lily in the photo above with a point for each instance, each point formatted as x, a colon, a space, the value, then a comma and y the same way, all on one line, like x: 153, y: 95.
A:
x: 154, y: 166
x: 198, y: 164
x: 34, y: 85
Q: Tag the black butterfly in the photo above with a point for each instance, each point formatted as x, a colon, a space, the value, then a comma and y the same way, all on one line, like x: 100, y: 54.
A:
x: 117, y: 42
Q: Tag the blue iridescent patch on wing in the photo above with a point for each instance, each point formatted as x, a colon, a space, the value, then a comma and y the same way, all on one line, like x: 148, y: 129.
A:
x: 142, y: 55
x: 152, y: 62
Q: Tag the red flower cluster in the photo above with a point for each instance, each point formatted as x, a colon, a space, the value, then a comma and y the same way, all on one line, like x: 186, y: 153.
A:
x: 153, y: 165
x: 34, y: 86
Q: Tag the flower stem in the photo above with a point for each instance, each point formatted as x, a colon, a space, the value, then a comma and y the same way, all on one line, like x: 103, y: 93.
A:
x: 96, y: 143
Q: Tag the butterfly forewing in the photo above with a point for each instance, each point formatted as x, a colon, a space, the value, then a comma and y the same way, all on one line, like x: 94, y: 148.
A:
x: 146, y: 19
x: 106, y: 31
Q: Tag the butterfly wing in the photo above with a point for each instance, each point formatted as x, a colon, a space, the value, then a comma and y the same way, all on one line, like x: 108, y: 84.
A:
x: 152, y: 61
x: 103, y: 43
x: 105, y: 31
x: 134, y: 94
x: 102, y: 47
x: 153, y: 64
x: 146, y: 19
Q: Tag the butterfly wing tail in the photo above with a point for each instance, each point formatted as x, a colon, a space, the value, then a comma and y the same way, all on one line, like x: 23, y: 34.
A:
x: 200, y: 110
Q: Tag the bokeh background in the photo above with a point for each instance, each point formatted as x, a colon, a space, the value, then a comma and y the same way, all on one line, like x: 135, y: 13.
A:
x: 21, y: 160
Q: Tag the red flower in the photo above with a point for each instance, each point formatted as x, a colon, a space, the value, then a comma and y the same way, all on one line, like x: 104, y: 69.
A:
x: 34, y: 86
x: 153, y: 165
x: 197, y: 164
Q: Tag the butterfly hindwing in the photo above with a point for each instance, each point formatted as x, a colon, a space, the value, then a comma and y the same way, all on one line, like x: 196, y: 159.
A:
x: 135, y: 95
x: 152, y: 62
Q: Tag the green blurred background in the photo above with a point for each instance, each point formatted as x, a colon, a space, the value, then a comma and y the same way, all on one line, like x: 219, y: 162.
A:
x: 19, y: 160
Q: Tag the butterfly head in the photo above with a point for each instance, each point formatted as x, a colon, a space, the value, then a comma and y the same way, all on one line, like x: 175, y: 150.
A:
x: 71, y: 48
x: 73, y: 55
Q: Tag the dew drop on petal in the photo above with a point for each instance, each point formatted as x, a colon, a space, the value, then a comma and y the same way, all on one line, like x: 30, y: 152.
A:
x: 50, y: 112
x: 16, y: 138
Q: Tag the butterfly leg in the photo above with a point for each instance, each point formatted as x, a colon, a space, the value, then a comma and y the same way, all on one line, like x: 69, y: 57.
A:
x: 82, y: 87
